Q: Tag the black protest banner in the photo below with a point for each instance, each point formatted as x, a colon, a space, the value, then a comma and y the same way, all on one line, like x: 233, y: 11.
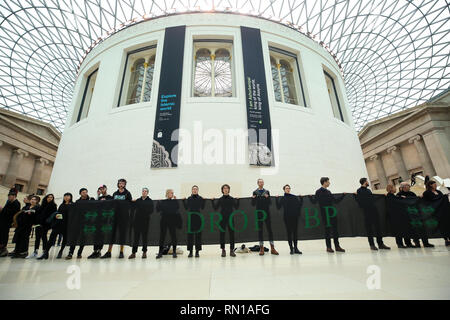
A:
x: 167, y: 120
x: 114, y: 221
x: 258, y: 113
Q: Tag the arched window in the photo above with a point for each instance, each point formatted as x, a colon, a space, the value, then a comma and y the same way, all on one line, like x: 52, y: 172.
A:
x: 287, y: 84
x: 333, y: 95
x: 212, y: 69
x: 87, y: 96
x: 138, y: 77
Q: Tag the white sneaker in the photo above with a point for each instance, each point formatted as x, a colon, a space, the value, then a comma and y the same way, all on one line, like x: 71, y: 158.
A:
x: 32, y: 255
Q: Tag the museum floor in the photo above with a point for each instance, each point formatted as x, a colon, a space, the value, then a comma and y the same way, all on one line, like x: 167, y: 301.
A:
x: 404, y: 274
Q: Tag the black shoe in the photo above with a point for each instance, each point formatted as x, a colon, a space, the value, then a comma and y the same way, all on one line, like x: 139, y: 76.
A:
x: 409, y: 245
x: 159, y: 256
x: 79, y: 256
x: 190, y: 254
x: 447, y: 243
x: 297, y: 251
x: 428, y: 245
x: 95, y: 255
x: 174, y: 254
x: 197, y: 255
x: 59, y: 256
x: 121, y: 255
x: 291, y: 251
x: 44, y: 256
x: 383, y: 247
x: 107, y: 255
x: 416, y: 244
x: 69, y: 256
x: 373, y: 248
x: 19, y: 255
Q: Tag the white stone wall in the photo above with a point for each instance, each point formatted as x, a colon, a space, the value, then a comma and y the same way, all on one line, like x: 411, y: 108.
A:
x: 116, y: 142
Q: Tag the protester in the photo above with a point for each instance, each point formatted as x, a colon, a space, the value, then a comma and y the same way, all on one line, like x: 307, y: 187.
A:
x: 261, y: 198
x: 413, y: 179
x: 227, y: 204
x: 7, y: 212
x: 23, y: 222
x: 170, y: 220
x: 121, y: 194
x: 144, y: 208
x: 58, y: 223
x: 195, y: 203
x: 104, y: 193
x: 366, y: 202
x: 326, y: 199
x: 399, y: 221
x: 432, y: 194
x: 291, y: 205
x: 84, y: 196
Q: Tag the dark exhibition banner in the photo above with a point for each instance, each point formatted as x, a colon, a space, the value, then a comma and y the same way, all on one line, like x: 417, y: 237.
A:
x: 117, y: 221
x: 258, y: 114
x: 167, y: 120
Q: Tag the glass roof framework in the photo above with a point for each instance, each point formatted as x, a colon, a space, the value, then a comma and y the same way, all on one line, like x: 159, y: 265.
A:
x: 393, y: 54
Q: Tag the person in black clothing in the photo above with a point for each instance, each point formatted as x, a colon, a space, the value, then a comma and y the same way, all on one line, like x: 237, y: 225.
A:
x: 364, y: 197
x: 427, y: 178
x: 102, y: 196
x: 144, y: 208
x: 291, y: 205
x: 58, y: 223
x: 399, y: 221
x: 326, y: 199
x: 195, y: 203
x: 42, y: 227
x: 7, y: 213
x: 170, y: 220
x: 405, y: 192
x: 121, y: 194
x: 432, y: 194
x: 84, y: 196
x: 226, y: 203
x: 23, y: 222
x: 413, y: 179
x: 261, y: 198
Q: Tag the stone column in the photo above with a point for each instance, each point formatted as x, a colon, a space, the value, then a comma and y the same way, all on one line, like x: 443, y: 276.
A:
x: 438, y: 146
x: 381, y: 174
x: 423, y: 155
x: 399, y: 164
x: 13, y: 167
x: 39, y: 165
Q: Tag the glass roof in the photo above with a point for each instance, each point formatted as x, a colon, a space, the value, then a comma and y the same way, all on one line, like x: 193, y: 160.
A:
x: 394, y: 54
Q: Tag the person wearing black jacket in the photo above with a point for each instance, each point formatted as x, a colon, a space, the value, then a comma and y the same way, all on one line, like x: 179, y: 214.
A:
x: 227, y: 204
x: 48, y: 207
x: 195, y: 203
x: 84, y: 196
x: 58, y: 223
x: 432, y: 194
x: 364, y: 197
x: 326, y: 199
x: 405, y: 192
x: 291, y: 205
x: 144, y: 208
x: 104, y: 193
x: 121, y: 194
x: 261, y: 199
x: 23, y: 222
x: 7, y: 213
x: 170, y: 220
x: 399, y: 221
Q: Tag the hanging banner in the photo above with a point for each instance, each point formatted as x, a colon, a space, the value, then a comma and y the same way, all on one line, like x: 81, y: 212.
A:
x: 167, y: 120
x: 258, y: 114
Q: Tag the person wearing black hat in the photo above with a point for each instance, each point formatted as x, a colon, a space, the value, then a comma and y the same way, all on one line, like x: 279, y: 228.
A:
x: 195, y: 203
x: 23, y: 222
x: 121, y: 194
x: 84, y: 196
x: 364, y: 197
x: 7, y: 213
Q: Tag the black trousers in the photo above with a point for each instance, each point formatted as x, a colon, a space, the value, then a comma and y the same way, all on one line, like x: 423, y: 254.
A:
x: 194, y: 238
x: 41, y: 233
x: 268, y: 223
x: 163, y: 227
x: 79, y: 252
x: 140, y: 232
x: 22, y: 237
x: 332, y: 229
x: 291, y: 224
x: 372, y: 224
x: 4, y: 233
x: 224, y: 224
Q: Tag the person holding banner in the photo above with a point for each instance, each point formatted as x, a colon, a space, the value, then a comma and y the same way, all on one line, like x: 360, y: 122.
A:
x: 227, y: 204
x: 291, y: 205
x: 326, y: 199
x: 195, y: 203
x: 144, y: 208
x: 170, y: 220
x: 121, y: 194
x: 23, y: 222
x: 261, y: 198
x: 365, y: 200
x: 433, y: 194
x: 48, y: 207
x: 399, y: 221
x: 7, y: 213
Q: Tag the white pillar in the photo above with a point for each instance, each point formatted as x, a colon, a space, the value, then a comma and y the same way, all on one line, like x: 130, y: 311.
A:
x: 399, y: 163
x: 423, y: 155
x: 380, y: 170
x: 39, y: 165
x: 14, y: 167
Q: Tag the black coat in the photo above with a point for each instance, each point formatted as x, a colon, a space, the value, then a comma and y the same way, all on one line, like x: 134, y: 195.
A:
x: 8, y: 212
x: 169, y: 210
x: 227, y: 204
x: 291, y: 205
